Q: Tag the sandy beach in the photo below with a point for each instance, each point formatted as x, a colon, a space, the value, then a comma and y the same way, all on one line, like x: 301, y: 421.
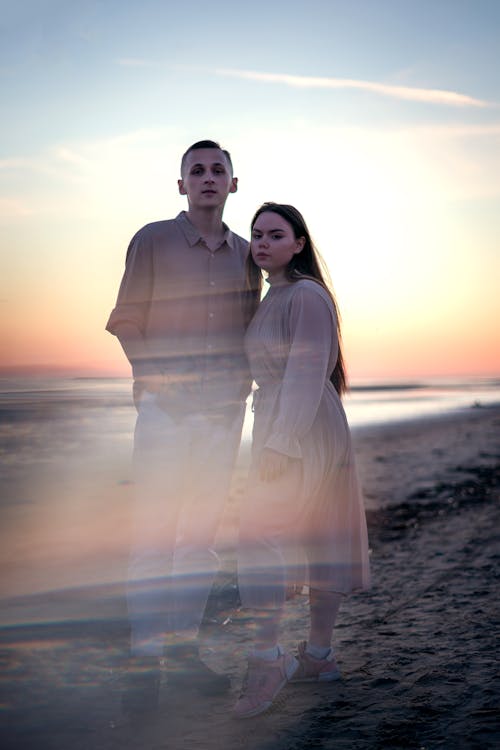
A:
x: 417, y: 651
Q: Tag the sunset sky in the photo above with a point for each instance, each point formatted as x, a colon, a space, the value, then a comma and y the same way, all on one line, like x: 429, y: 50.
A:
x: 378, y: 119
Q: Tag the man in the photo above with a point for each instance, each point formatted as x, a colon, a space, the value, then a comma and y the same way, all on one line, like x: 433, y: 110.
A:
x: 180, y: 318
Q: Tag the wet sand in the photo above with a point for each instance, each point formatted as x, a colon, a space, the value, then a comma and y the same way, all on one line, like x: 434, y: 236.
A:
x: 417, y: 652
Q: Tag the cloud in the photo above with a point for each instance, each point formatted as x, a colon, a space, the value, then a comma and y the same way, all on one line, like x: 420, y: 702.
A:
x: 70, y: 156
x: 429, y: 96
x: 78, y: 178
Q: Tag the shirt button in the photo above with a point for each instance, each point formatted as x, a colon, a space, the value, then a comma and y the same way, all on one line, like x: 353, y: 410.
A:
x: 210, y: 315
x: 212, y: 283
x: 209, y: 347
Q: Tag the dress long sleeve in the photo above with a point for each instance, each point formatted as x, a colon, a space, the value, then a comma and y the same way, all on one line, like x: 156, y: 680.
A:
x: 311, y: 359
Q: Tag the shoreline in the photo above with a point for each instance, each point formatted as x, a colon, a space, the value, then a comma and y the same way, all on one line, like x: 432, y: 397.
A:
x: 400, y: 458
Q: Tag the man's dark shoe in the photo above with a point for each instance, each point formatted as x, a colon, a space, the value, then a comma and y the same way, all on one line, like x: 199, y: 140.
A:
x: 187, y: 670
x: 141, y: 687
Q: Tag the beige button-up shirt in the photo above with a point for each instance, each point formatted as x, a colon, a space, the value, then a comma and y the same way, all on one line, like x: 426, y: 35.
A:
x: 189, y: 303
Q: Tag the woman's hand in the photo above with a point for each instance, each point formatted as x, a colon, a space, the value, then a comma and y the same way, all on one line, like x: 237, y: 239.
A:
x: 272, y: 464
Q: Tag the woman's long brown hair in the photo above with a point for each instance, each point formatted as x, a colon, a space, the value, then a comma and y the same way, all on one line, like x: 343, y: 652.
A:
x: 304, y: 265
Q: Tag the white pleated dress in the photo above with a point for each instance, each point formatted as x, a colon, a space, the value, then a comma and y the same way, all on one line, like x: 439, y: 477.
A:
x: 317, y: 506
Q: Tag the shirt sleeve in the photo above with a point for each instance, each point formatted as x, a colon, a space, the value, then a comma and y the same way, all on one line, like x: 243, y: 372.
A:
x: 134, y: 295
x: 314, y: 346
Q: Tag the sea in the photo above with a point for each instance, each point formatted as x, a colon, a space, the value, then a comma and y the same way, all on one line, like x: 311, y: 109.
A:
x: 106, y: 403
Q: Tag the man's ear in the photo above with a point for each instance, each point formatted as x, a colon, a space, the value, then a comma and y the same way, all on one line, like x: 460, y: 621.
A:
x: 234, y: 185
x: 182, y: 189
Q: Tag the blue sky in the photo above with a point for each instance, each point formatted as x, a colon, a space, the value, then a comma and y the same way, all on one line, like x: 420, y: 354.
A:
x: 379, y: 119
x: 68, y: 67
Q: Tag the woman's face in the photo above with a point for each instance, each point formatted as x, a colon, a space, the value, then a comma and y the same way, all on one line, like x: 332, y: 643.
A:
x: 273, y: 244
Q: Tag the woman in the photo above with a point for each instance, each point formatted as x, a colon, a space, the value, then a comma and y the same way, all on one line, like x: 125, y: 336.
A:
x: 303, y: 492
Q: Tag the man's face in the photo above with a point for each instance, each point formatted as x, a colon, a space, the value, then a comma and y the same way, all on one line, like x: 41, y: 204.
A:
x: 206, y: 178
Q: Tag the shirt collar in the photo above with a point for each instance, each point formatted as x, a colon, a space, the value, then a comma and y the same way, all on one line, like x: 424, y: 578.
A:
x: 192, y: 234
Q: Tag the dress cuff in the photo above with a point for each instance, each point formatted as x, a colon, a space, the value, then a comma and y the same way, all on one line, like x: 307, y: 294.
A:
x: 284, y: 443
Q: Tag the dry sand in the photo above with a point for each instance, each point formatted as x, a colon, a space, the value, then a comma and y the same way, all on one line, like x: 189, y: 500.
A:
x: 417, y: 652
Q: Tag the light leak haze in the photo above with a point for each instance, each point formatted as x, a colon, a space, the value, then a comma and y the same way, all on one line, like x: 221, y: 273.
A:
x: 379, y: 120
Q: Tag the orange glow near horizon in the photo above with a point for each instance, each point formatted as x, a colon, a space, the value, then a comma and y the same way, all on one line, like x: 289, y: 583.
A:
x: 377, y: 345
x: 413, y: 267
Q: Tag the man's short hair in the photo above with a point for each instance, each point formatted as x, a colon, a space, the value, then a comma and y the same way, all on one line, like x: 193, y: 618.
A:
x: 205, y: 144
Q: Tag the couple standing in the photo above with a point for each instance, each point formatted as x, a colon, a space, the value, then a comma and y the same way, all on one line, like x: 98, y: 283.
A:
x: 190, y: 321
